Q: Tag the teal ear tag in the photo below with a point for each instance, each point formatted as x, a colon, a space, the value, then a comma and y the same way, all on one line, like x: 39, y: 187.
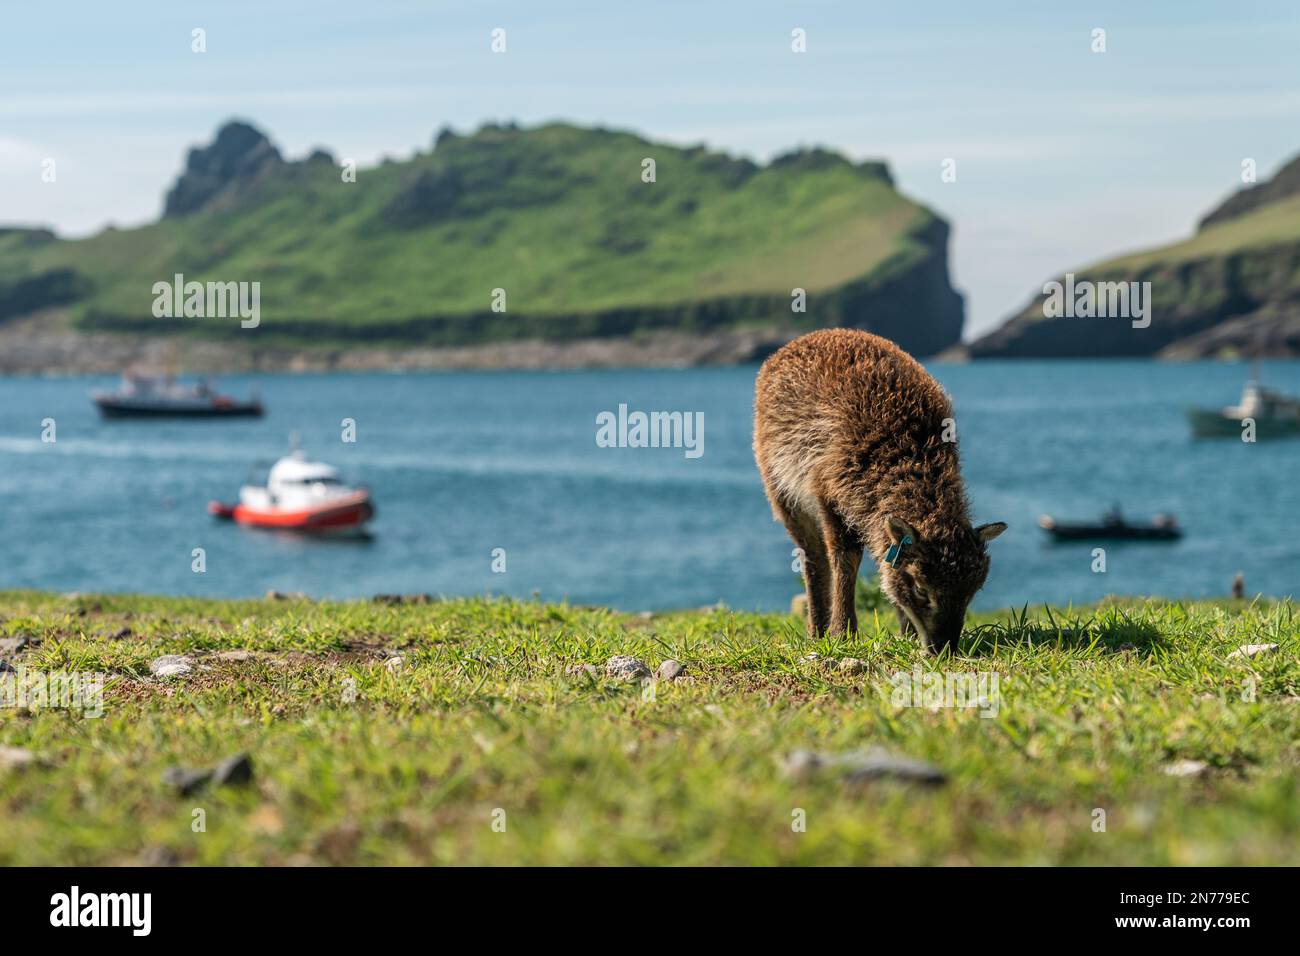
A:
x: 895, y: 551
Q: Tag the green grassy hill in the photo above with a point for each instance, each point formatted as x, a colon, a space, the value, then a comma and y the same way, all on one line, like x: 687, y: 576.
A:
x: 1231, y: 288
x: 401, y: 733
x: 558, y: 216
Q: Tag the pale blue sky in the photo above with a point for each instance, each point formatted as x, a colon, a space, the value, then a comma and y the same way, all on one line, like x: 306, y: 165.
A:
x: 1063, y: 156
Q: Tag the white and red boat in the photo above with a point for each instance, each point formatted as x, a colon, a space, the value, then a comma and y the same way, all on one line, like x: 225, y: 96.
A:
x: 299, y: 495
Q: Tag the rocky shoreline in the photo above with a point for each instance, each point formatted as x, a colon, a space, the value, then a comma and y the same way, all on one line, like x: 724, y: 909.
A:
x: 36, y: 346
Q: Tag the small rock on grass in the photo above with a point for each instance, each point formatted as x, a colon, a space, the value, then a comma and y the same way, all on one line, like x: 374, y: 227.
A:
x: 237, y: 656
x: 1187, y: 768
x: 233, y: 771
x: 851, y: 665
x: 863, y: 766
x: 580, y: 670
x: 12, y: 645
x: 670, y: 670
x: 186, y: 781
x: 158, y: 856
x: 624, y: 667
x: 171, y: 665
x: 395, y: 663
x: 1253, y: 650
x: 16, y: 758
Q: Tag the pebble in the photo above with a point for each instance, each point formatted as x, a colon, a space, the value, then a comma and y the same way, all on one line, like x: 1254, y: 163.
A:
x: 171, y: 665
x: 864, y: 766
x: 576, y: 670
x: 623, y: 667
x: 851, y: 665
x: 1253, y: 650
x: 670, y: 670
x: 1187, y: 768
x: 236, y: 656
x: 15, y: 758
x: 234, y: 771
x: 12, y: 645
x: 154, y: 856
x: 185, y: 782
x: 394, y: 663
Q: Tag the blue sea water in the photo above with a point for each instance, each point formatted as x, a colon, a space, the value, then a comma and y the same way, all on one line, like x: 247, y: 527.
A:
x: 464, y: 463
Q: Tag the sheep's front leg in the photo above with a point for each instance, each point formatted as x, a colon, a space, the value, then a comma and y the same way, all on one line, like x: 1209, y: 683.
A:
x: 845, y: 554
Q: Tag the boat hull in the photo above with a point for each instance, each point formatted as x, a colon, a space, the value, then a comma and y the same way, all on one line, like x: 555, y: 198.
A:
x: 344, y: 515
x: 114, y: 408
x: 1209, y: 424
x: 1069, y: 532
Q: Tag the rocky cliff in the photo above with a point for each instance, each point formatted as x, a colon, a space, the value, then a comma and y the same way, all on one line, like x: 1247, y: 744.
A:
x: 1233, y: 288
x: 550, y: 234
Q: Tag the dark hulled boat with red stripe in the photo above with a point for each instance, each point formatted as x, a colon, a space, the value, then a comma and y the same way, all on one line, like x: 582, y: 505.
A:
x: 147, y: 396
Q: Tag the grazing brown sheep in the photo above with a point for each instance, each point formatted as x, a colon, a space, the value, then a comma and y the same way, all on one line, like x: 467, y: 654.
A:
x: 849, y: 434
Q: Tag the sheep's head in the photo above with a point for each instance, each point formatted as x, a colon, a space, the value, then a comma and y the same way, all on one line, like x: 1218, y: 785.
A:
x: 931, y: 579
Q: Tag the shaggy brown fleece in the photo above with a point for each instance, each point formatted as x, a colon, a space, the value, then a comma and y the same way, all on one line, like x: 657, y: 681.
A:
x: 857, y: 448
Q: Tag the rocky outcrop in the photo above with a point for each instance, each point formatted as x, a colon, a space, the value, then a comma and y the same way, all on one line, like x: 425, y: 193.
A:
x: 1233, y: 289
x: 717, y: 248
x: 1282, y: 186
x: 238, y: 156
x: 1242, y: 302
x: 42, y: 345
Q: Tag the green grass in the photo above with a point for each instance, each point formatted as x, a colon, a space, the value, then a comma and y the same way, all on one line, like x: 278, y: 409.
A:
x: 556, y: 215
x: 409, y: 767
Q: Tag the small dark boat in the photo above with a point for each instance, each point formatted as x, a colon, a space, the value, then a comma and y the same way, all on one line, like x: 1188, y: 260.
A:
x: 147, y: 396
x: 1113, y: 527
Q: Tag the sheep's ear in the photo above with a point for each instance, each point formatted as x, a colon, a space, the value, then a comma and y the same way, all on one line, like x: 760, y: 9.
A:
x: 898, y: 529
x: 987, y: 532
